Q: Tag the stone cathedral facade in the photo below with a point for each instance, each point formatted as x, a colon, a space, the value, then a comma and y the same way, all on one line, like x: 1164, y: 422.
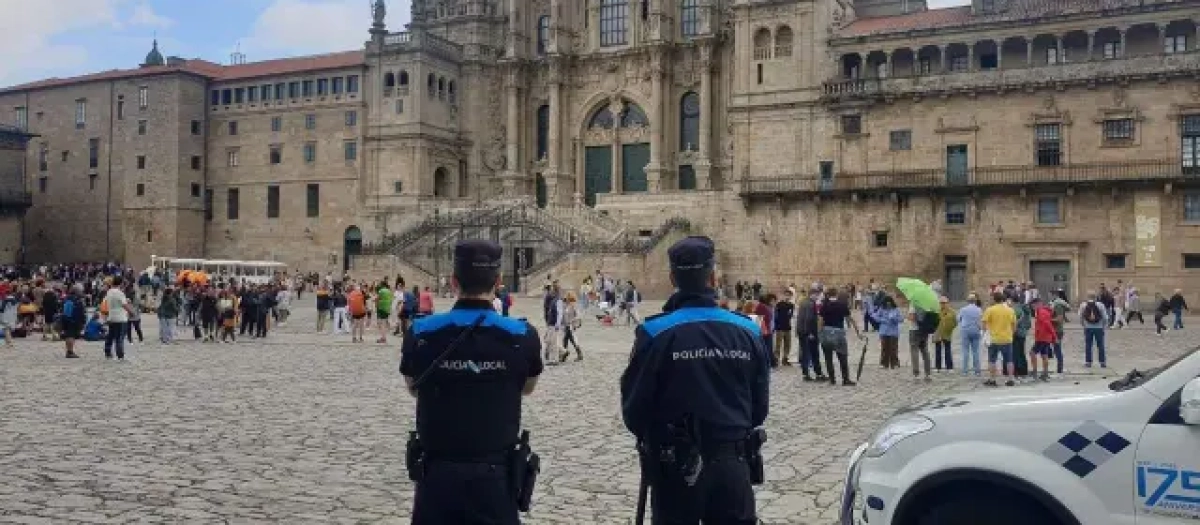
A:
x: 1046, y: 140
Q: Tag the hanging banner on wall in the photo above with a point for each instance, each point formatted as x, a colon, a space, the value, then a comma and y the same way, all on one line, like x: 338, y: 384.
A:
x: 1147, y: 214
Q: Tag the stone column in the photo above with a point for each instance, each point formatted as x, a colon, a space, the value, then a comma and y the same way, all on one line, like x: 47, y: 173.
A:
x: 887, y: 64
x: 999, y: 54
x: 654, y: 170
x: 943, y: 56
x: 1060, y: 58
x: 703, y: 167
x: 514, y: 25
x: 1124, y: 32
x: 553, y: 161
x: 512, y: 149
x: 970, y: 57
x: 1091, y: 44
x: 580, y: 183
x: 616, y: 185
x: 1196, y: 37
x: 634, y: 23
x: 1029, y: 51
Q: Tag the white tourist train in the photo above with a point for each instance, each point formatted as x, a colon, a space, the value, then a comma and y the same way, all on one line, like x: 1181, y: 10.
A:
x: 256, y: 272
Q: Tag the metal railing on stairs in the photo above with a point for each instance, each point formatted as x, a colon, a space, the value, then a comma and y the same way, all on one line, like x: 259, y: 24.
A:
x: 623, y: 245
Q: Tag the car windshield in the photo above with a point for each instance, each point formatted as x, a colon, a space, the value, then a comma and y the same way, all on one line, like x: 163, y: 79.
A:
x: 1137, y: 377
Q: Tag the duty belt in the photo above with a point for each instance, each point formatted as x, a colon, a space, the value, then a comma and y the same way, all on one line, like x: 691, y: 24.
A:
x: 723, y: 450
x: 488, y: 458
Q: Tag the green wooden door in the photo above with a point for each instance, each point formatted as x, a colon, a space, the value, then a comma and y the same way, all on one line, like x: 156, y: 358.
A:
x: 540, y: 190
x: 634, y: 158
x: 597, y: 172
x: 687, y: 177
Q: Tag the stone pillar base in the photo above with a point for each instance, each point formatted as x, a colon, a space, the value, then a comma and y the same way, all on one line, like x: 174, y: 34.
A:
x: 654, y: 177
x: 703, y: 171
x: 512, y: 182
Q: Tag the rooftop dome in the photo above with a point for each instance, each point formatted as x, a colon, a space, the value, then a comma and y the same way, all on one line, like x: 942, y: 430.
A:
x: 154, y: 58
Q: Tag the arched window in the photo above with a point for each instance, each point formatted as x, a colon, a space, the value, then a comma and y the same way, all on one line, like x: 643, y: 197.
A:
x: 543, y: 131
x: 432, y: 85
x: 689, y: 122
x: 442, y: 88
x: 389, y: 80
x: 601, y: 119
x: 783, y: 42
x: 762, y: 44
x: 634, y: 117
x: 689, y: 17
x: 450, y: 88
x: 614, y: 18
x: 543, y: 34
x: 441, y: 183
x: 403, y: 78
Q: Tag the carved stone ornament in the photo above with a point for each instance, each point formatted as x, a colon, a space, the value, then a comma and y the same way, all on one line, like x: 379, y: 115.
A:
x: 1119, y: 97
x: 1048, y: 103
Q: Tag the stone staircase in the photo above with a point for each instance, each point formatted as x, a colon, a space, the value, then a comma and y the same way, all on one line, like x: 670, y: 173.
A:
x: 587, y: 219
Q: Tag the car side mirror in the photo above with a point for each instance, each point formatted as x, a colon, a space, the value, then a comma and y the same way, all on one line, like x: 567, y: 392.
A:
x: 1189, y: 403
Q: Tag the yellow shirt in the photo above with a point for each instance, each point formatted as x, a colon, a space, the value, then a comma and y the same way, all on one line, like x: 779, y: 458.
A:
x: 1001, y: 322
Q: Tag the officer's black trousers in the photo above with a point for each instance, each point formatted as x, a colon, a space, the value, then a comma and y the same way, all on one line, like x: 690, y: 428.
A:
x: 722, y: 496
x: 465, y: 494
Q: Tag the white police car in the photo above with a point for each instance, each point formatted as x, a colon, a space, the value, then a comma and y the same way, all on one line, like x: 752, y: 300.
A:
x: 1121, y: 453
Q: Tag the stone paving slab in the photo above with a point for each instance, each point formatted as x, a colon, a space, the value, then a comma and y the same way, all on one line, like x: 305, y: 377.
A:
x: 306, y: 428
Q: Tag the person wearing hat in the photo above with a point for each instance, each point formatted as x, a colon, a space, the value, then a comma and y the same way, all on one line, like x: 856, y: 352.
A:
x: 697, y: 386
x: 468, y: 369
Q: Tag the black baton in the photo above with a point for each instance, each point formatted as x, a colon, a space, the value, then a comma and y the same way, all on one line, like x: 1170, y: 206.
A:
x: 641, y: 504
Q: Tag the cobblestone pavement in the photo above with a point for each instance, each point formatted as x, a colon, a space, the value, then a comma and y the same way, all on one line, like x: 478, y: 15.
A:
x: 304, y: 428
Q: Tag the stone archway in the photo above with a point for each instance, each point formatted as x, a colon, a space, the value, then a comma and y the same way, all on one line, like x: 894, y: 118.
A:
x: 352, y: 243
x: 616, y: 149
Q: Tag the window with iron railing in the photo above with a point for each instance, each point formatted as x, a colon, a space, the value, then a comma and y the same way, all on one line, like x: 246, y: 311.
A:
x: 956, y: 211
x: 1111, y: 50
x: 1191, y: 207
x: 900, y: 140
x: 614, y: 16
x: 959, y: 64
x: 689, y: 17
x: 1118, y: 130
x: 1175, y: 44
x: 851, y: 124
x: 1048, y: 138
x: 1190, y: 148
x: 1049, y: 210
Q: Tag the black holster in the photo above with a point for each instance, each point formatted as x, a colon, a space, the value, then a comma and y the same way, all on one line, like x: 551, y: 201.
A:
x: 414, y: 457
x: 754, y: 460
x: 523, y: 468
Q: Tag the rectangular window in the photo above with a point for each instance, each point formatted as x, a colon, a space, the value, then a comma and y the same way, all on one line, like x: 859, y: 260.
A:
x: 310, y: 152
x: 280, y: 91
x: 1118, y: 130
x: 42, y: 183
x: 149, y: 235
x: 956, y: 211
x: 64, y: 155
x: 143, y: 97
x: 92, y: 182
x: 351, y: 119
x: 120, y: 108
x: 141, y: 162
x: 293, y: 89
x: 44, y: 157
x: 208, y: 205
x: 233, y: 127
x: 1111, y: 50
x: 197, y: 128
x: 397, y: 186
x: 215, y: 97
x: 399, y: 106
x: 239, y: 95
x: 1052, y: 56
x: 613, y: 19
x: 1114, y: 261
x: 141, y: 127
x: 879, y: 239
x: 351, y: 150
x: 1048, y: 138
x: 195, y: 189
x: 310, y: 121
x: 312, y: 195
x: 689, y: 16
x: 959, y: 63
x: 22, y: 118
x: 276, y: 124
x: 1049, y: 210
x: 352, y: 84
x: 226, y: 97
x: 80, y: 113
x: 1191, y: 207
x: 141, y: 189
x: 272, y: 202
x: 266, y: 92
x: 1190, y: 148
x: 337, y: 85
x: 276, y: 155
x: 306, y: 88
x: 195, y: 162
x: 1175, y: 44
x: 851, y: 124
x: 232, y: 199
x: 322, y: 86
x: 1191, y: 261
x: 93, y: 153
x: 925, y: 66
x: 900, y: 140
x: 233, y: 158
x: 252, y: 94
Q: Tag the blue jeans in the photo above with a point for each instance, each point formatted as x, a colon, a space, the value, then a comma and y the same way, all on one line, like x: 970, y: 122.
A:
x: 115, y: 338
x: 1178, y: 321
x: 970, y: 351
x: 1090, y: 336
x: 941, y: 350
x: 166, y: 330
x: 769, y: 343
x: 1058, y: 357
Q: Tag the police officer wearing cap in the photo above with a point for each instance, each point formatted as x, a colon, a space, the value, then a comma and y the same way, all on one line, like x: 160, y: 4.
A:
x: 695, y: 395
x: 468, y: 368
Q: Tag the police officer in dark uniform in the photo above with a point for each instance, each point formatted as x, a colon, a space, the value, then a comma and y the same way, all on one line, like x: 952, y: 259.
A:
x: 695, y: 395
x: 468, y: 368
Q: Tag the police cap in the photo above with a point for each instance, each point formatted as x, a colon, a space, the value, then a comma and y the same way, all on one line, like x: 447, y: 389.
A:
x: 477, y: 259
x: 692, y: 261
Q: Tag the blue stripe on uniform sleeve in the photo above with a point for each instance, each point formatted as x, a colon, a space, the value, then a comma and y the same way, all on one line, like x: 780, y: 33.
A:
x: 682, y: 316
x: 466, y: 317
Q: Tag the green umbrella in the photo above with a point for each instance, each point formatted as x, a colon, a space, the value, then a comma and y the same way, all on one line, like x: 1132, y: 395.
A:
x: 919, y: 294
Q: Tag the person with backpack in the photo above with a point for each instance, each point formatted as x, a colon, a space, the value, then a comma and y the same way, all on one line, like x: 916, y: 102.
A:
x: 74, y: 318
x: 1044, y: 337
x: 50, y: 311
x: 168, y: 311
x: 552, y: 313
x: 924, y: 324
x: 942, y: 352
x: 1060, y: 307
x: 1178, y: 305
x: 1094, y: 317
x: 1162, y: 307
x: 1024, y: 324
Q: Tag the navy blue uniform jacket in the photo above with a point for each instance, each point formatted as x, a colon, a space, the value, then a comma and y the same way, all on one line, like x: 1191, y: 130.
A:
x: 696, y: 359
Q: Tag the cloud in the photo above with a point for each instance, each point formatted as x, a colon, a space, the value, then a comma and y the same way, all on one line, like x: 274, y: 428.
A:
x: 29, y: 51
x: 308, y: 26
x: 144, y: 15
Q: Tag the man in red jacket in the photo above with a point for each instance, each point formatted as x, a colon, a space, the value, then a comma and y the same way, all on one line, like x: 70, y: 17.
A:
x: 1044, y: 337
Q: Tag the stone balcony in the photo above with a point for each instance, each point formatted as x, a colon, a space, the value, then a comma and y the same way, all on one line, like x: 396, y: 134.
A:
x: 973, y: 179
x: 1084, y: 73
x: 420, y: 40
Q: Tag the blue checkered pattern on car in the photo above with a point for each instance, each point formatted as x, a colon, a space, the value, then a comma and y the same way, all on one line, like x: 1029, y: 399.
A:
x: 1084, y: 449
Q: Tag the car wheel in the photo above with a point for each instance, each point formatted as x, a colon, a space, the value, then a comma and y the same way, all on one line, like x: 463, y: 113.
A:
x: 1004, y: 507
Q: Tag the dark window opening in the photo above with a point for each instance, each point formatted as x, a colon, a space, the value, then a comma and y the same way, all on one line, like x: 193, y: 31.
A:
x: 272, y: 202
x: 879, y: 239
x: 1114, y: 261
x: 313, y: 200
